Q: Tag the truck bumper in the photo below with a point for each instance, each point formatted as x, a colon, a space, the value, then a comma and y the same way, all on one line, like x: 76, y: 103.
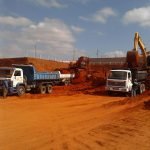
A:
x: 117, y: 89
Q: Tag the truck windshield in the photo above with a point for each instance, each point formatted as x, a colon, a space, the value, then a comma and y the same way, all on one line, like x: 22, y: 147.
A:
x: 6, y: 73
x: 121, y: 75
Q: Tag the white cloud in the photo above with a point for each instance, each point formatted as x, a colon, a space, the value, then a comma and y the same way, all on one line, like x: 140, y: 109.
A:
x: 52, y: 38
x: 140, y: 16
x: 85, y: 18
x: 57, y: 3
x: 48, y: 3
x: 82, y: 1
x: 100, y: 33
x: 115, y: 53
x: 18, y: 21
x: 101, y: 15
x: 76, y: 29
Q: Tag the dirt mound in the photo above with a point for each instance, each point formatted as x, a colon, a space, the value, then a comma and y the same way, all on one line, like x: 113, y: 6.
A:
x: 40, y: 64
x: 80, y: 76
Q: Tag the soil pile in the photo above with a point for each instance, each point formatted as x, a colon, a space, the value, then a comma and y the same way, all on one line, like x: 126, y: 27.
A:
x: 40, y: 64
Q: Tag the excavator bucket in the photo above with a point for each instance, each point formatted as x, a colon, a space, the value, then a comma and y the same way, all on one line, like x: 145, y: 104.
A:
x: 132, y: 59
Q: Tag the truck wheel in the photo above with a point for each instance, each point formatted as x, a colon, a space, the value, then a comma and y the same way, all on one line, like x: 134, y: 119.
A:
x: 142, y: 88
x: 20, y: 90
x: 5, y: 92
x: 42, y: 89
x: 66, y: 83
x: 49, y: 89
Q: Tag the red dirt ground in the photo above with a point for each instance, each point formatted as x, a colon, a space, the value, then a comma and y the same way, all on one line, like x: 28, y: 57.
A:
x: 74, y: 117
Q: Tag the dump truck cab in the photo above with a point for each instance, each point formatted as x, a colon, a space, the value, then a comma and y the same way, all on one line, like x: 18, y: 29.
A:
x: 119, y: 80
x: 130, y: 81
x: 13, y: 77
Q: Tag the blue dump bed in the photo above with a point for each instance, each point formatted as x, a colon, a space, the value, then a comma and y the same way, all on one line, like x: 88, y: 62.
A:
x: 47, y: 75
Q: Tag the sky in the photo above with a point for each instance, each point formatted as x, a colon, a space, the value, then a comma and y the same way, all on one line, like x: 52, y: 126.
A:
x: 67, y: 29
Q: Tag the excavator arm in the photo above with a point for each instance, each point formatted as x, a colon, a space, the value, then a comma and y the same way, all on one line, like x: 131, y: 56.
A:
x: 138, y: 42
x: 133, y: 57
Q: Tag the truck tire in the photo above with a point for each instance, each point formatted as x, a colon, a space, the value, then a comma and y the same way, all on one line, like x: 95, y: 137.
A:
x: 67, y: 82
x: 20, y: 90
x: 4, y: 92
x: 42, y: 89
x: 142, y: 88
x: 49, y: 89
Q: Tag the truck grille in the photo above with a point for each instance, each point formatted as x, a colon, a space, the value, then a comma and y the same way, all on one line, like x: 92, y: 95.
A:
x: 116, y: 83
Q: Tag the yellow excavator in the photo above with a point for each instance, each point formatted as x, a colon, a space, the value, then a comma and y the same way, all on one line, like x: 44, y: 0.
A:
x: 134, y: 58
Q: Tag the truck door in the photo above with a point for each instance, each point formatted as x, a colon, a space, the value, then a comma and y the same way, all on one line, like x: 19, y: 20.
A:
x: 18, y: 78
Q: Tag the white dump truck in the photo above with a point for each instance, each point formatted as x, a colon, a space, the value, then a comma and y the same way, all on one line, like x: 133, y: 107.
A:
x: 21, y: 78
x: 130, y: 82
